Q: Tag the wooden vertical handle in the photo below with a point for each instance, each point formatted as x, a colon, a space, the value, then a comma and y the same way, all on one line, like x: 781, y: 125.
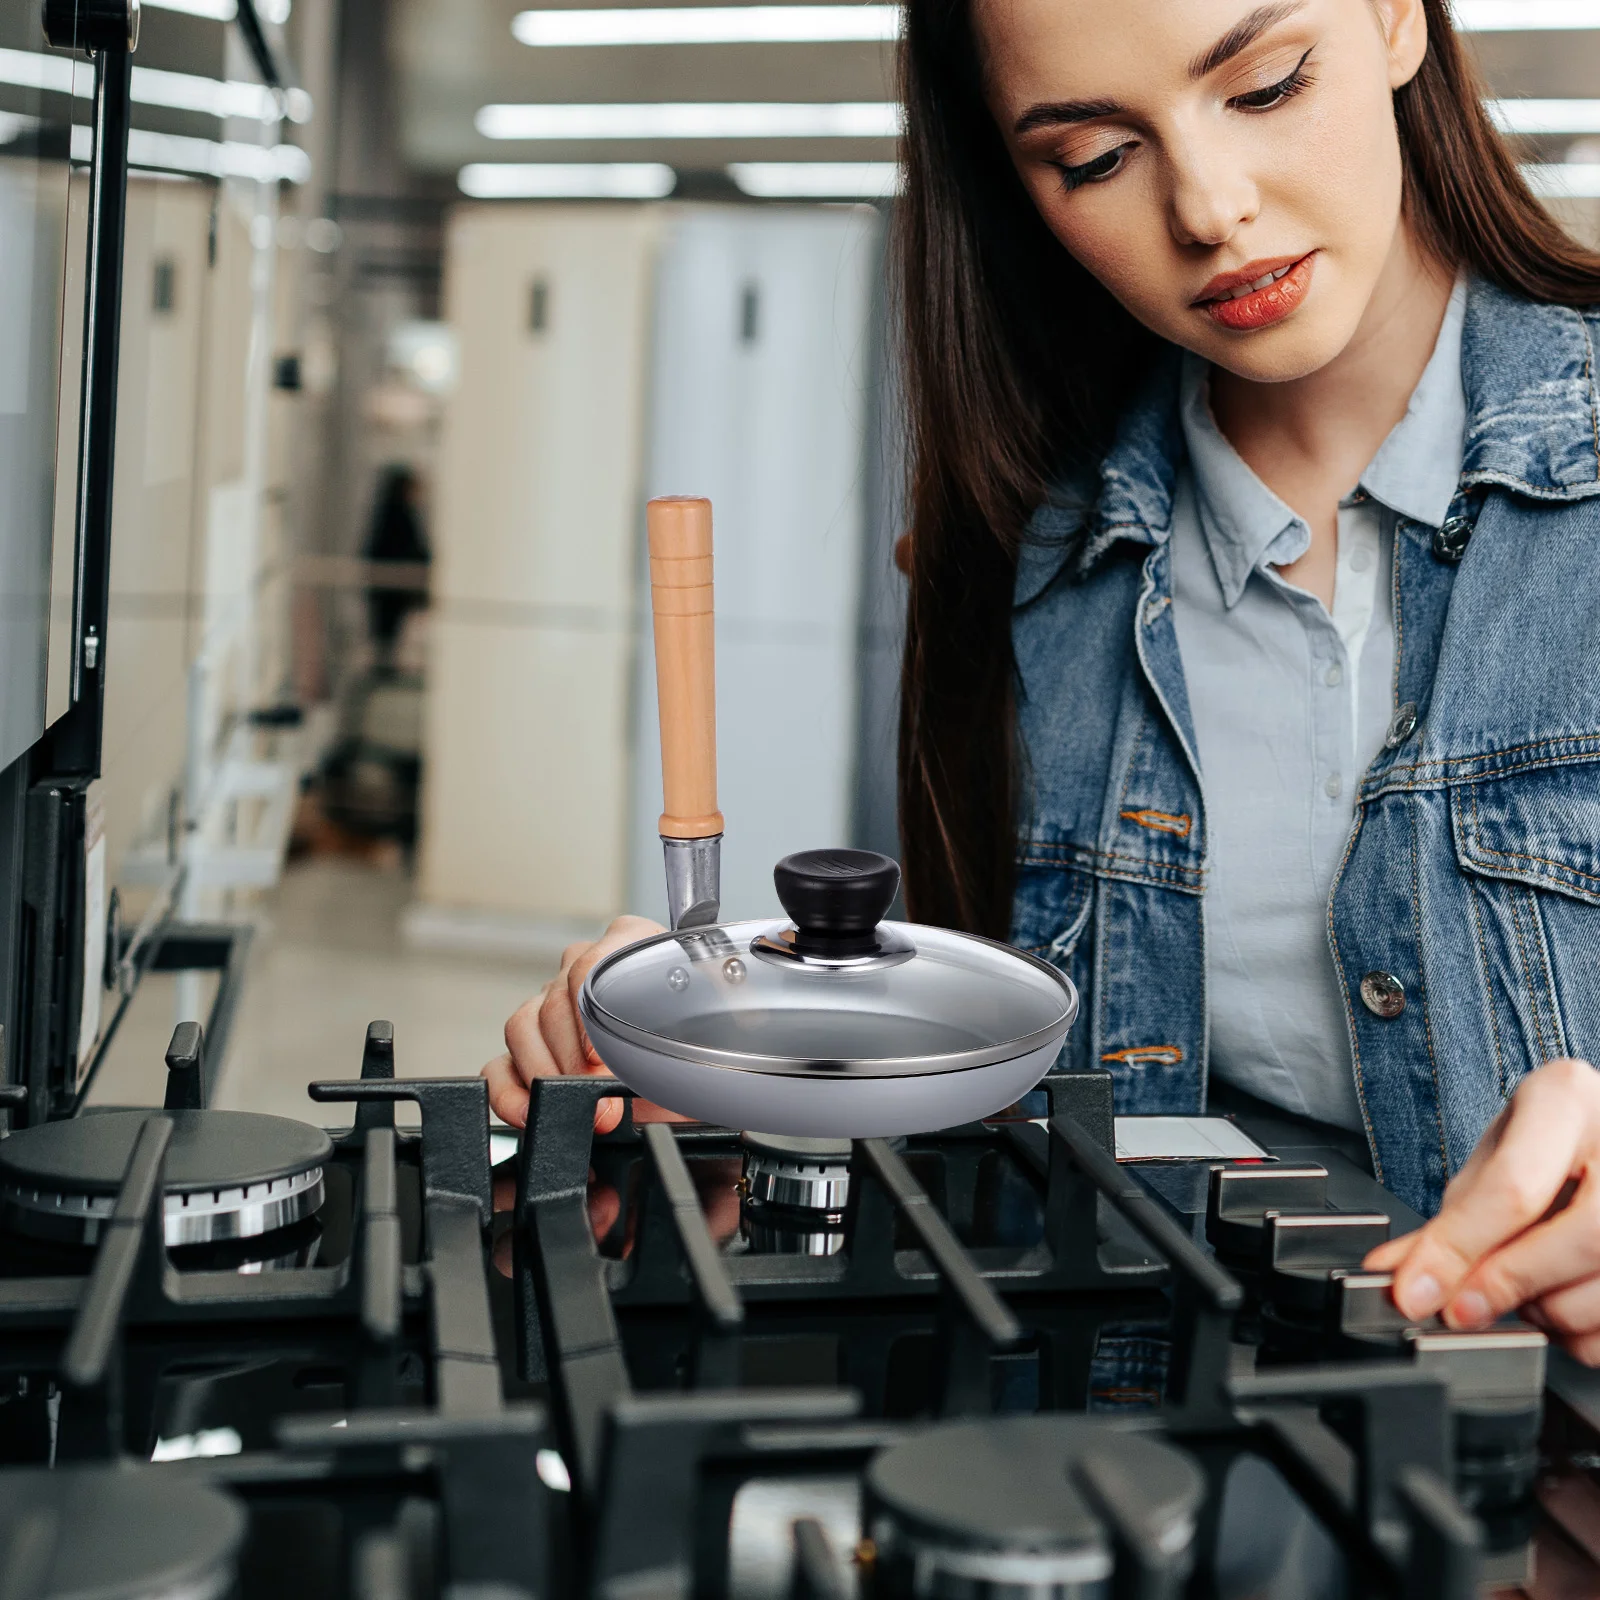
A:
x: 681, y: 600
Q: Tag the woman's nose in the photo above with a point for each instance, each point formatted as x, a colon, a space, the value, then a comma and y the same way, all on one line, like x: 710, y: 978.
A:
x: 1213, y: 195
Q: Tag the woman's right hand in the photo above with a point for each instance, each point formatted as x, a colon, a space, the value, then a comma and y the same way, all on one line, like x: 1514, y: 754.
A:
x: 546, y: 1039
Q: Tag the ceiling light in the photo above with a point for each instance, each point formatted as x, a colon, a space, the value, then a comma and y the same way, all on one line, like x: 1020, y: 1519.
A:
x: 1545, y: 116
x: 183, y: 91
x: 154, y: 86
x: 1556, y: 180
x: 31, y: 69
x: 173, y: 152
x: 699, y: 119
x: 214, y: 10
x: 566, y: 180
x: 707, y: 25
x: 799, y: 180
x: 1525, y: 16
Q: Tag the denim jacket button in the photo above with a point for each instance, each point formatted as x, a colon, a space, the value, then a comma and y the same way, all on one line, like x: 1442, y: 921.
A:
x: 1450, y: 540
x: 1401, y: 726
x: 1383, y: 995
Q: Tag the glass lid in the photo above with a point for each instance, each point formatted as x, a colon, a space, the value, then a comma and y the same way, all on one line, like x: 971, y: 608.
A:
x: 836, y: 988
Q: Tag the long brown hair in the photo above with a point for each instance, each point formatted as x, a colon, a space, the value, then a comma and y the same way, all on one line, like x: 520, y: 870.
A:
x: 1016, y: 366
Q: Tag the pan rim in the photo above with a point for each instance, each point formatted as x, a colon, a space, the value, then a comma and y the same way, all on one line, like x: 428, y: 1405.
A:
x: 598, y: 1020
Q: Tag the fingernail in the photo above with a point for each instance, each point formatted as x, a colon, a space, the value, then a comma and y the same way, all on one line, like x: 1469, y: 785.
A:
x: 1421, y: 1297
x: 1470, y: 1310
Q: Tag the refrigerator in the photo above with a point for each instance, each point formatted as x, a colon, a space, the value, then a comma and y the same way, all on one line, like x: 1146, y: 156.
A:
x: 765, y: 371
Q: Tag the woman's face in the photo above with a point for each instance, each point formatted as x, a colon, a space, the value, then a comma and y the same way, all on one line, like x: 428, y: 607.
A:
x: 1181, y: 149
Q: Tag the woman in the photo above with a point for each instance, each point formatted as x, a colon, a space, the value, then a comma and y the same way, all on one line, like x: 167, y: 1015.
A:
x: 1255, y: 440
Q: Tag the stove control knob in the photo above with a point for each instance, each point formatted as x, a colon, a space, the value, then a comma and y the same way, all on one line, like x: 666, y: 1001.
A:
x: 1301, y: 1251
x: 1241, y: 1197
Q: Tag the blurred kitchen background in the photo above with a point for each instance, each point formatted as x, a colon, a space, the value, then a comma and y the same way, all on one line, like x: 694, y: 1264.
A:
x: 424, y: 299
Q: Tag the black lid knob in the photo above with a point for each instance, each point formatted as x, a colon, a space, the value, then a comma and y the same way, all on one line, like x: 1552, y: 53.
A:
x: 836, y: 897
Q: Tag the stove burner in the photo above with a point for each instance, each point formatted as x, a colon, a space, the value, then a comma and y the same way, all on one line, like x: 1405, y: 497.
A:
x: 117, y: 1534
x: 798, y: 1174
x: 794, y: 1192
x: 229, y: 1175
x: 1027, y: 1505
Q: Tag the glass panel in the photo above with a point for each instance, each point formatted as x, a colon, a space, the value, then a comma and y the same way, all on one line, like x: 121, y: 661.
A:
x: 37, y: 385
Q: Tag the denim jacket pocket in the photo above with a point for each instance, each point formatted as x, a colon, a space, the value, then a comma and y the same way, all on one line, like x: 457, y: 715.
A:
x: 1529, y: 844
x: 1539, y: 827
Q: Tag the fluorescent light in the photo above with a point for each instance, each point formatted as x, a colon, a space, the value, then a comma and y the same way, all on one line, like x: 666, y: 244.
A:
x: 1556, y: 180
x: 796, y: 180
x: 215, y: 10
x: 30, y: 69
x: 174, y: 152
x: 698, y: 119
x: 1545, y: 116
x: 566, y: 180
x: 1525, y: 16
x: 707, y: 25
x: 154, y: 86
x: 183, y: 91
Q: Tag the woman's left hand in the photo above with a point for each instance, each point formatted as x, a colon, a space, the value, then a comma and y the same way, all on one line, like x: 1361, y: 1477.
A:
x: 1520, y: 1223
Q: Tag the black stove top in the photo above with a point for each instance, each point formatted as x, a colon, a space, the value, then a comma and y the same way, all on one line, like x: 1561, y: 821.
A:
x: 244, y: 1356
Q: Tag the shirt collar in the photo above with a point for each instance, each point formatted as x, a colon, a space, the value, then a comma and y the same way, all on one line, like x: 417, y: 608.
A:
x: 1415, y: 471
x: 1418, y: 467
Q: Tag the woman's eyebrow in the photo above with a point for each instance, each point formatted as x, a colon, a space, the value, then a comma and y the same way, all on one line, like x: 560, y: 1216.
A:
x: 1242, y: 35
x: 1054, y: 113
x: 1238, y: 38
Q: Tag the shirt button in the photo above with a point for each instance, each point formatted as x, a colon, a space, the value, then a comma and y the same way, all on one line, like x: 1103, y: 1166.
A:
x: 1332, y: 787
x: 1383, y: 995
x: 1360, y: 560
x: 1401, y: 726
x: 1334, y: 676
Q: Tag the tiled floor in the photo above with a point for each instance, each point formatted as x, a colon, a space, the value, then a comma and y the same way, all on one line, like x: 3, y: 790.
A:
x: 328, y: 960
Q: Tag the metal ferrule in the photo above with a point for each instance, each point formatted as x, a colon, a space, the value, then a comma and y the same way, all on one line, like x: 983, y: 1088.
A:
x: 694, y: 880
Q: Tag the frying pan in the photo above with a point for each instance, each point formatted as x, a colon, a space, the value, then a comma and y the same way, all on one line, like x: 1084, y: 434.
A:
x: 836, y: 1023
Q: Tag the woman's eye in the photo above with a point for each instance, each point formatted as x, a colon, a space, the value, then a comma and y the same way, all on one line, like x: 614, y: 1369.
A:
x: 1093, y: 171
x: 1275, y: 94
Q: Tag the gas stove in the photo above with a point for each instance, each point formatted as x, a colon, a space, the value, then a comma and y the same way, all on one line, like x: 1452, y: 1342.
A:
x: 244, y: 1355
x: 250, y: 1356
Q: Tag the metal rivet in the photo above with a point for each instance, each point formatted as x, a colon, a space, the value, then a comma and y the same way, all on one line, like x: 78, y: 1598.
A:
x: 1450, y: 540
x: 1401, y: 726
x: 1383, y: 995
x: 677, y: 980
x: 733, y: 970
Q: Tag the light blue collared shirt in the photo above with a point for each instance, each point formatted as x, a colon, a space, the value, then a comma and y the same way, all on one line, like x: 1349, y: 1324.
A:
x: 1290, y: 705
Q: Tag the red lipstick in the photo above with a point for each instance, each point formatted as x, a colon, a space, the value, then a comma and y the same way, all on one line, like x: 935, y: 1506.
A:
x: 1259, y: 307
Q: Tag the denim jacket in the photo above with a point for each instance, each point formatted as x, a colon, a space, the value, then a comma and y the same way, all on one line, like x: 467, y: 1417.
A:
x: 1468, y: 895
